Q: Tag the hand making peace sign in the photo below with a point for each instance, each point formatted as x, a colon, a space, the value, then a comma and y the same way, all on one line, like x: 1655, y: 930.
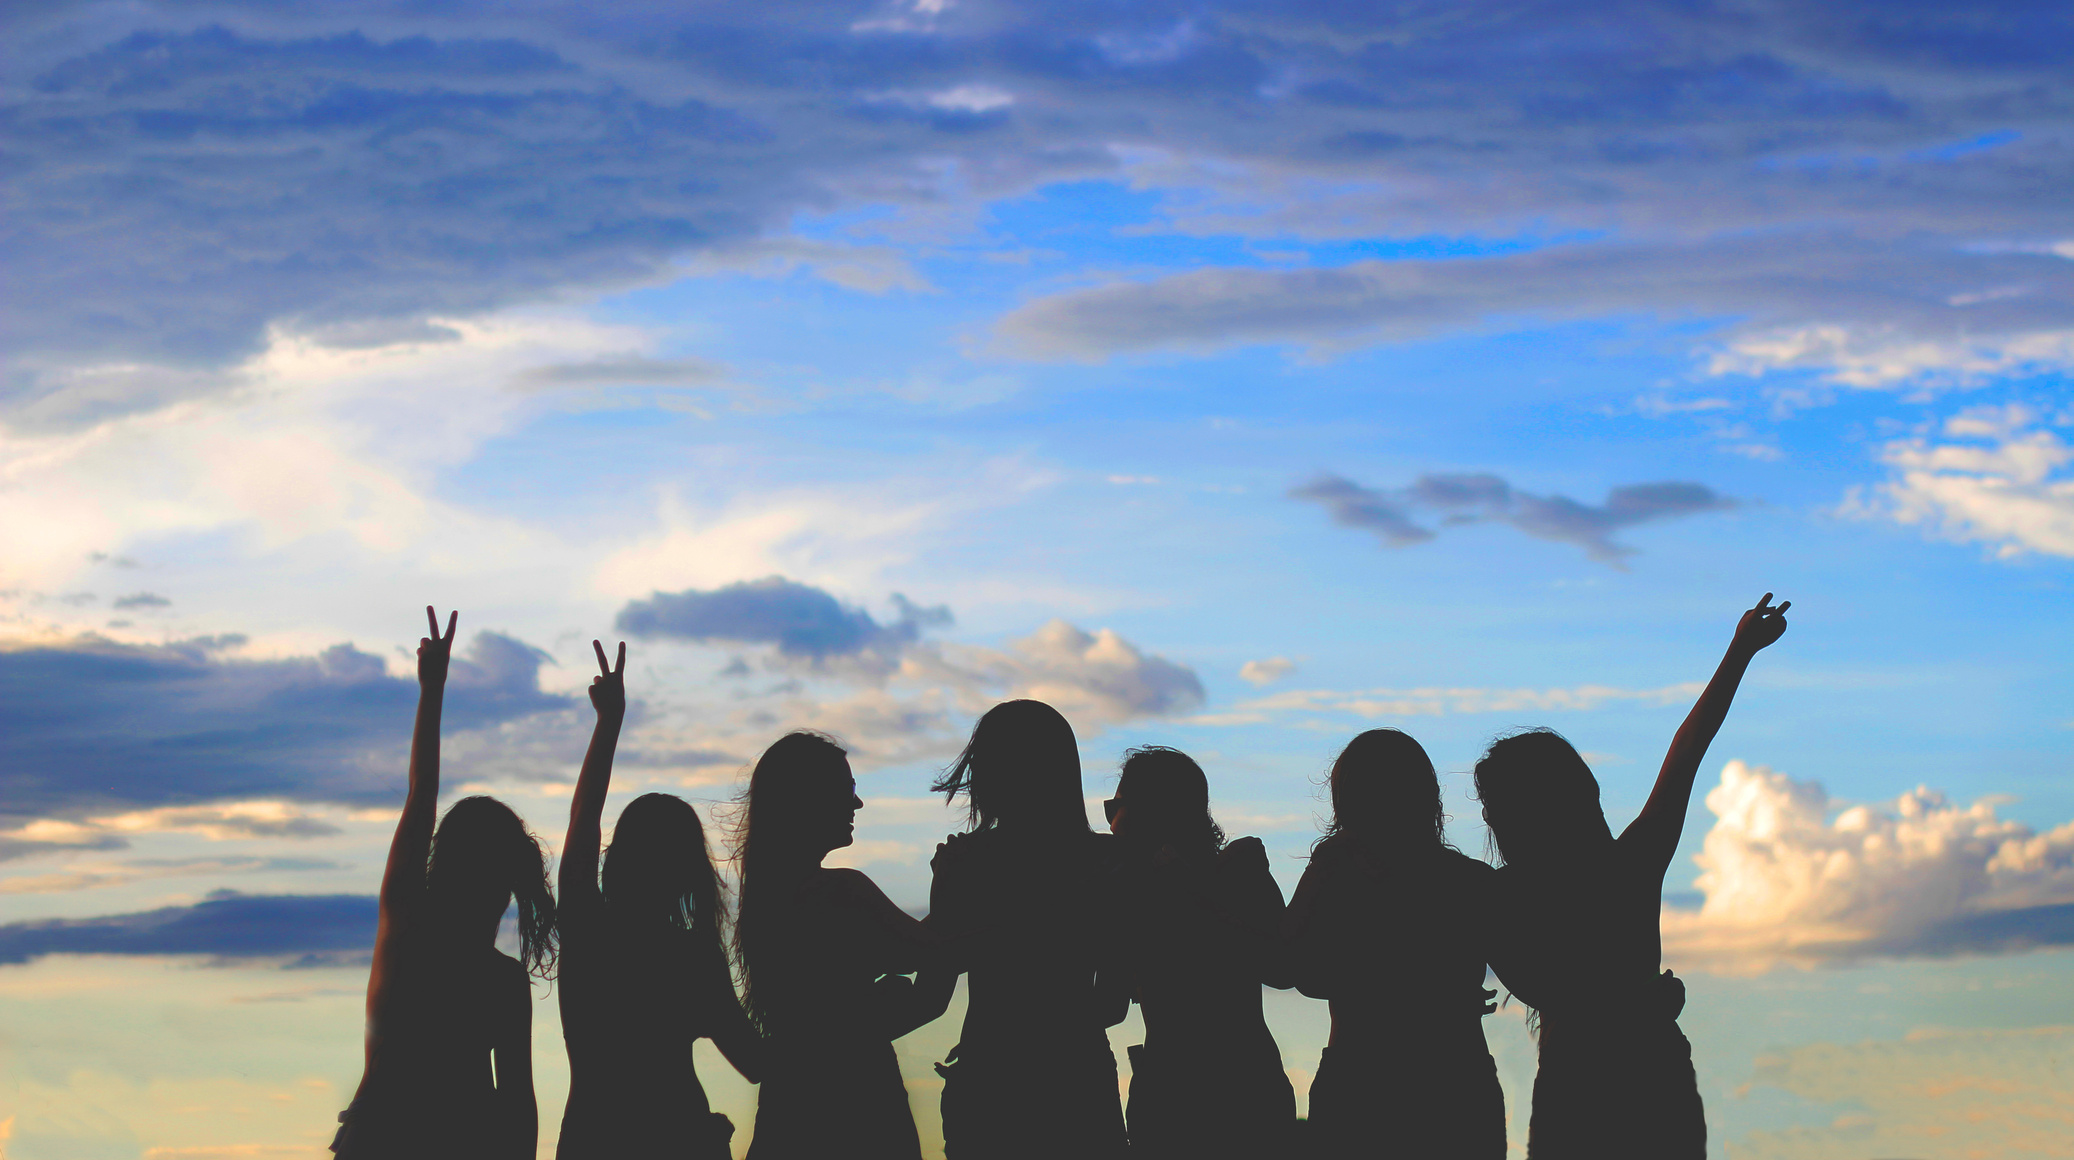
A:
x: 609, y: 689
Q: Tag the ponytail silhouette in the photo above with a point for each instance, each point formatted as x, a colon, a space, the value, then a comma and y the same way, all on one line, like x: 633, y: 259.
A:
x: 644, y: 972
x: 449, y: 1068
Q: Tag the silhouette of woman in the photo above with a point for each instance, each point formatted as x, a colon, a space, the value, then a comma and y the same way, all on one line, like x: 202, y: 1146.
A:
x: 643, y: 971
x: 825, y: 956
x: 1029, y: 892
x: 449, y: 1068
x: 1579, y: 937
x: 1200, y: 921
x: 1388, y: 923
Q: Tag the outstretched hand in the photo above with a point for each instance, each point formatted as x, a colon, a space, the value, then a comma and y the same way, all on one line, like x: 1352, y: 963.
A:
x: 609, y: 688
x: 434, y: 651
x: 1761, y: 625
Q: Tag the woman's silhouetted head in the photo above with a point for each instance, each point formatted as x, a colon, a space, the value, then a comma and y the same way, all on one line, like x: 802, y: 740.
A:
x: 1020, y: 771
x: 1540, y: 799
x: 1163, y: 802
x: 802, y: 803
x: 483, y: 859
x: 658, y: 867
x: 1386, y: 794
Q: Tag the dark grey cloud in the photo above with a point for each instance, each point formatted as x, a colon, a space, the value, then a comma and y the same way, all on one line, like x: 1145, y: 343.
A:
x: 801, y: 620
x: 94, y: 725
x: 309, y: 930
x: 180, y: 179
x: 1994, y: 932
x: 1458, y: 499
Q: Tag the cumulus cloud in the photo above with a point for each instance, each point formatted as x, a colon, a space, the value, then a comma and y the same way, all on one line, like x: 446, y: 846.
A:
x: 801, y: 620
x: 1785, y: 881
x: 1460, y: 499
x: 1098, y: 677
x: 1997, y: 477
x: 308, y: 929
x: 380, y: 167
x: 90, y: 724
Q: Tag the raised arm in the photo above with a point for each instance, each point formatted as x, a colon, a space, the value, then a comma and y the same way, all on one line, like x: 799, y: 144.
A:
x: 578, y: 877
x: 1654, y: 834
x: 403, y: 880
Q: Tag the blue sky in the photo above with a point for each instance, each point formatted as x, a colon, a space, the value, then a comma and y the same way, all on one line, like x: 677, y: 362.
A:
x: 1236, y: 376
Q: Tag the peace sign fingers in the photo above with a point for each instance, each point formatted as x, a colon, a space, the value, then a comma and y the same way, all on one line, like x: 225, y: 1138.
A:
x: 608, y: 688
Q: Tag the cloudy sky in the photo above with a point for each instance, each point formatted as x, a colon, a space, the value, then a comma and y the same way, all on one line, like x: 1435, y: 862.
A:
x: 1232, y: 375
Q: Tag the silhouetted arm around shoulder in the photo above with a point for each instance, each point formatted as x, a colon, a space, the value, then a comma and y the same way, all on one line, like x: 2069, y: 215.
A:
x: 403, y: 879
x: 733, y: 1034
x: 513, y: 1055
x: 1250, y: 902
x: 578, y: 877
x: 1654, y: 834
x: 902, y: 944
x: 1302, y: 958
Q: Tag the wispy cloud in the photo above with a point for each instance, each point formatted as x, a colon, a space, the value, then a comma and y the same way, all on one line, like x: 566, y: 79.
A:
x: 1462, y: 499
x: 1996, y: 477
x: 1435, y: 702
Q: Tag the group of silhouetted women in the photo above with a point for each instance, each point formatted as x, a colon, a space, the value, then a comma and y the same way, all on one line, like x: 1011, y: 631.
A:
x: 1058, y: 929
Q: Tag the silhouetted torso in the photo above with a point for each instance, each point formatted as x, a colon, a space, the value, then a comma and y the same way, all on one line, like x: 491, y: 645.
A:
x: 430, y: 1087
x: 1580, y: 942
x: 1032, y: 1075
x: 1397, y: 941
x: 834, y: 1086
x: 634, y: 998
x: 1208, y: 1081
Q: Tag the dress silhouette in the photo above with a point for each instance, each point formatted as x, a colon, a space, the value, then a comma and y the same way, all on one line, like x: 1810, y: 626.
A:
x: 1200, y: 920
x: 1390, y: 924
x: 826, y: 956
x: 449, y: 1068
x: 1029, y: 891
x: 643, y: 971
x: 1578, y: 935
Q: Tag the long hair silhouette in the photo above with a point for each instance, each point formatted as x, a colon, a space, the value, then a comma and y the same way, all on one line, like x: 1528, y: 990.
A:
x: 1028, y: 892
x: 645, y: 974
x: 1578, y: 938
x: 1388, y: 924
x: 825, y: 958
x: 1200, y: 919
x: 449, y: 1067
x: 483, y: 860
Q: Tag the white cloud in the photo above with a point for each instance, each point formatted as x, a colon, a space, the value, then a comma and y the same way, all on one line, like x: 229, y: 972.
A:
x: 1886, y: 356
x: 1266, y: 672
x: 1786, y: 882
x: 1097, y: 677
x: 1996, y: 478
x: 217, y: 822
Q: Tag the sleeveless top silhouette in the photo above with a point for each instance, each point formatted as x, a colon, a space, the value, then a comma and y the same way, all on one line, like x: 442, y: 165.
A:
x: 1580, y: 943
x: 833, y: 1085
x: 430, y: 1088
x: 1208, y: 1081
x: 1032, y: 1076
x: 1398, y: 944
x: 634, y: 998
